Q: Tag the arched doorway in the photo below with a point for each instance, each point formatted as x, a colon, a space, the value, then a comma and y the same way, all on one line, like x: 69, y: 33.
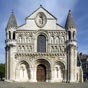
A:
x: 43, y: 70
x: 41, y: 73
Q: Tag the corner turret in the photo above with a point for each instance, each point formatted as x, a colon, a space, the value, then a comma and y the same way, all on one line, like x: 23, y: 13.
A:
x: 10, y: 44
x: 70, y: 27
x: 11, y: 29
x: 71, y: 48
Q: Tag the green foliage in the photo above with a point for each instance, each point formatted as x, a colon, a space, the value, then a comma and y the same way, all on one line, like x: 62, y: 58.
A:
x: 2, y: 71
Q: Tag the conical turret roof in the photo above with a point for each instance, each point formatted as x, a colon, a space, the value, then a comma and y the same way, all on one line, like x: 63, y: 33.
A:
x: 70, y: 22
x: 12, y: 21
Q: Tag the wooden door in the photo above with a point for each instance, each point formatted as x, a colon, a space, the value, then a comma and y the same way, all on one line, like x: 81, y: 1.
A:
x: 41, y: 73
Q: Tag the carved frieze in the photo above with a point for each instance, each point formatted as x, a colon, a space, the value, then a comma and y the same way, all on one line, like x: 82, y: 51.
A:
x: 56, y: 37
x: 25, y: 48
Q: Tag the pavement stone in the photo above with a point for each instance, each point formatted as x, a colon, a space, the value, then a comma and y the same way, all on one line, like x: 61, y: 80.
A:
x: 43, y: 85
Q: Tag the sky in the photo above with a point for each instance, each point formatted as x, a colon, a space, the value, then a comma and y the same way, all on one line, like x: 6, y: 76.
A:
x: 58, y: 8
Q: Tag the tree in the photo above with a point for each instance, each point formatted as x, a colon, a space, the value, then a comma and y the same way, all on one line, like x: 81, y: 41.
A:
x: 2, y: 71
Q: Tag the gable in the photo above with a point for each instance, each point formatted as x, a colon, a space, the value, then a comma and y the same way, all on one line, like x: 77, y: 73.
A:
x: 41, y: 19
x: 41, y: 9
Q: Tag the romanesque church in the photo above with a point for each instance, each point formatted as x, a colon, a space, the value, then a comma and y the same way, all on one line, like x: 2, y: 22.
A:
x: 41, y: 50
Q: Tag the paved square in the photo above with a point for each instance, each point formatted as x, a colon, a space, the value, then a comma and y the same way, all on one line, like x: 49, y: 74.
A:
x: 43, y: 85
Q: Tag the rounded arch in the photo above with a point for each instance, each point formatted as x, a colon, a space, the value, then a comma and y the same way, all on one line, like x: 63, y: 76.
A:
x: 22, y: 72
x: 59, y: 69
x: 43, y: 58
x: 43, y: 63
x: 22, y: 62
x: 40, y: 32
x: 60, y: 62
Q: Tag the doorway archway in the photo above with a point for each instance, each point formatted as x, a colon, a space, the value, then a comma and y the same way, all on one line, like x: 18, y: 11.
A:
x: 41, y: 73
x: 43, y: 70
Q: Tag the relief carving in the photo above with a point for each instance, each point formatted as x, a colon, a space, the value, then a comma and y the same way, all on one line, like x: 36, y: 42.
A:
x: 25, y: 48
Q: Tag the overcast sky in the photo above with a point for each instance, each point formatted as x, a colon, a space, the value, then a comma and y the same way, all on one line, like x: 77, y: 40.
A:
x: 58, y: 8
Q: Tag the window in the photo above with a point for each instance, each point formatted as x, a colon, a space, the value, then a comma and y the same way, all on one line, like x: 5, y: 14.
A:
x: 41, y: 43
x: 69, y: 35
x: 13, y: 35
x: 9, y: 35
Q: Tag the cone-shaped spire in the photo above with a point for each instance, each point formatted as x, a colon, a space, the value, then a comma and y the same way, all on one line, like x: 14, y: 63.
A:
x: 70, y: 22
x: 12, y: 21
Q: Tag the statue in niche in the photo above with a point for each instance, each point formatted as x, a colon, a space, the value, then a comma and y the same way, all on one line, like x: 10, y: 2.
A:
x: 51, y: 40
x: 19, y: 39
x: 40, y: 19
x: 27, y: 40
x: 62, y: 39
x: 56, y: 40
x: 24, y: 39
x: 30, y: 39
x: 19, y: 48
x: 52, y: 48
x: 61, y: 48
x: 23, y: 48
x: 58, y: 72
x: 30, y: 48
x: 56, y: 49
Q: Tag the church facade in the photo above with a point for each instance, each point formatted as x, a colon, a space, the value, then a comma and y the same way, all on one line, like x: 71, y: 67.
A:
x: 41, y: 50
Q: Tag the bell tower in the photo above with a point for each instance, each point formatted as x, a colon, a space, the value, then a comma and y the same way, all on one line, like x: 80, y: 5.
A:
x: 10, y: 45
x: 71, y: 45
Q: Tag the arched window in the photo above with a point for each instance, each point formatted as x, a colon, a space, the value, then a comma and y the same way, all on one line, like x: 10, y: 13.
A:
x: 13, y: 35
x: 9, y: 35
x: 41, y: 43
x: 69, y: 35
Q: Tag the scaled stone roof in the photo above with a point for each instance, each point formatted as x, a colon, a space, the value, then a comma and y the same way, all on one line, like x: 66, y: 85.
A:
x: 70, y: 22
x: 12, y: 21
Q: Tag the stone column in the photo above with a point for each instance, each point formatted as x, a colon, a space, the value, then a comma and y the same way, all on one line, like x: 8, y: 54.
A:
x: 52, y: 74
x: 7, y: 63
x: 72, y: 64
x: 32, y: 74
x: 65, y: 76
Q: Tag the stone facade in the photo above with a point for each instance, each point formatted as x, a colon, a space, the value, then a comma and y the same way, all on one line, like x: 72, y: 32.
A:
x: 41, y: 50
